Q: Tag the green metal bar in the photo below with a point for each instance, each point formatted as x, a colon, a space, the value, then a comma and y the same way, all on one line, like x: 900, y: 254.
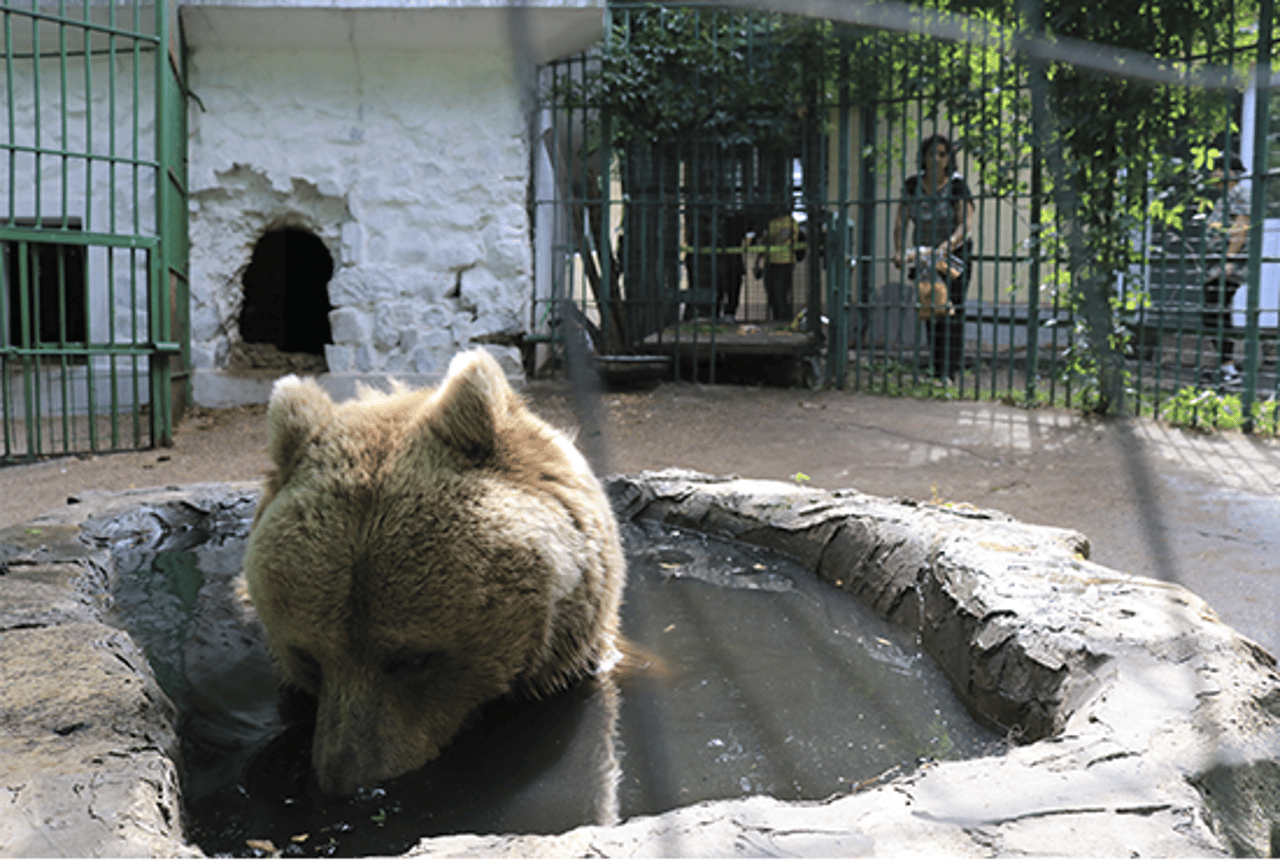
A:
x: 136, y: 59
x: 90, y: 383
x: 838, y: 307
x: 604, y: 248
x: 867, y: 244
x: 1036, y: 235
x: 88, y: 138
x: 13, y: 122
x: 91, y: 393
x: 113, y: 367
x: 134, y: 336
x: 51, y: 236
x: 62, y: 19
x: 67, y: 153
x: 160, y: 323
x: 910, y: 146
x: 112, y: 149
x: 1014, y: 261
x: 30, y: 391
x: 5, y: 415
x: 35, y: 112
x: 1258, y: 208
x: 979, y: 230
x: 62, y: 343
x: 62, y: 82
x: 141, y: 349
x: 175, y: 230
x: 96, y: 52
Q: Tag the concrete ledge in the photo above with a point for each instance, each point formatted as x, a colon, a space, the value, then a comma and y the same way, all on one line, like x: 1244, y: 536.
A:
x: 88, y: 745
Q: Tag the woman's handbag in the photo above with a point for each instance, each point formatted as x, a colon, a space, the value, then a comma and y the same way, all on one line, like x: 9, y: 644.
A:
x: 934, y: 301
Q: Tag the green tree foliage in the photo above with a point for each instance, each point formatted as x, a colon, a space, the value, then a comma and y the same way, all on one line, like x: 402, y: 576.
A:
x: 667, y: 73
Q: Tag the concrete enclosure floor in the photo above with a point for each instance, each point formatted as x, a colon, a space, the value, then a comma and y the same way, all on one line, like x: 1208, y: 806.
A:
x: 1201, y: 510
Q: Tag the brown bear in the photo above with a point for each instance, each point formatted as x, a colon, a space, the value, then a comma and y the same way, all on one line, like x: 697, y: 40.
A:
x: 419, y: 553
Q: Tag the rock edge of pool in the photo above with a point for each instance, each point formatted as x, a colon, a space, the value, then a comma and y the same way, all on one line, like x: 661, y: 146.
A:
x: 1148, y: 726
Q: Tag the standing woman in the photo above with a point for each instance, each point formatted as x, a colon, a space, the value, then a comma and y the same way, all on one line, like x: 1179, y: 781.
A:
x: 939, y: 204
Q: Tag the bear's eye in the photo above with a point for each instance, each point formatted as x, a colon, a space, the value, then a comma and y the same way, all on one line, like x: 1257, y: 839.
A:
x: 308, y: 665
x: 413, y: 663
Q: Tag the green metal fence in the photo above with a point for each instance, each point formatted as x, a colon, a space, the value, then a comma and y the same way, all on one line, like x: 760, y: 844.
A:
x: 666, y: 152
x: 93, y: 232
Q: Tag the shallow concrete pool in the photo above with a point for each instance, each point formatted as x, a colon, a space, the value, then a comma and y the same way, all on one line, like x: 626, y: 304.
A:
x: 761, y: 679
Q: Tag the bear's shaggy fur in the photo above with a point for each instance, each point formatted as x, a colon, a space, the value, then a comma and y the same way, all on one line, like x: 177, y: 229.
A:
x: 420, y: 553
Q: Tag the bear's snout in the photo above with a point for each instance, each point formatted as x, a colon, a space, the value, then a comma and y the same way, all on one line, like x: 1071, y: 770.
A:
x: 359, y: 743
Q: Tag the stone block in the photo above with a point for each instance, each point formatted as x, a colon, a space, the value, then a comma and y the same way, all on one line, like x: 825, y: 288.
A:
x: 437, y: 339
x: 339, y: 358
x: 352, y: 243
x: 454, y: 251
x: 360, y: 287
x: 350, y: 326
x: 366, y: 358
x: 389, y: 320
x: 205, y: 321
x: 203, y: 357
x: 425, y: 361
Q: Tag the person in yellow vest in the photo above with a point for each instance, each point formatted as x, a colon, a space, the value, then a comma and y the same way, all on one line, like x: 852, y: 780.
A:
x: 781, y: 248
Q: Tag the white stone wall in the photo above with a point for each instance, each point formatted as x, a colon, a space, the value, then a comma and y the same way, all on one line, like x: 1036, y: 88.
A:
x: 412, y: 168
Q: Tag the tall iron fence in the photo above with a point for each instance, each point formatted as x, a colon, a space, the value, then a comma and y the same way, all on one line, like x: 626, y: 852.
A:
x: 660, y: 169
x: 93, y: 233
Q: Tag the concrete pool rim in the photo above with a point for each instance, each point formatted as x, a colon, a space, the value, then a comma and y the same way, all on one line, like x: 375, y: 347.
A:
x: 1150, y: 726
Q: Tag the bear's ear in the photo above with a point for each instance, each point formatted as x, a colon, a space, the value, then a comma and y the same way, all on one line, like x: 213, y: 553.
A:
x: 463, y: 411
x: 298, y: 408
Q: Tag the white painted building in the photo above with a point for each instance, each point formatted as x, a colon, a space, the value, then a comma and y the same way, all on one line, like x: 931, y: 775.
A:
x: 394, y: 132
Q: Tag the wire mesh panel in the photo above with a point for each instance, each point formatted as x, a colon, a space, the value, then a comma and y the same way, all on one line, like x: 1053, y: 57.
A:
x: 93, y: 164
x: 1083, y: 167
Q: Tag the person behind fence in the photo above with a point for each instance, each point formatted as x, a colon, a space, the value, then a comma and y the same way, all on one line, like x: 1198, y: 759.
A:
x: 732, y: 264
x: 1228, y: 226
x: 781, y: 249
x: 939, y: 205
x: 715, y: 262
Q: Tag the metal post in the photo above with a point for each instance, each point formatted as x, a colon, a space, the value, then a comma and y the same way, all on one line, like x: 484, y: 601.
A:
x: 158, y: 290
x: 1257, y: 208
x: 838, y: 307
x: 1034, y: 23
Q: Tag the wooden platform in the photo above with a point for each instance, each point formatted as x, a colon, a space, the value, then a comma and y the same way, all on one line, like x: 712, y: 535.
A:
x: 697, y: 339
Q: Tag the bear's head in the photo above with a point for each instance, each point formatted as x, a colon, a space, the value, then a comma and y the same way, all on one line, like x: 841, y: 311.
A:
x: 419, y: 553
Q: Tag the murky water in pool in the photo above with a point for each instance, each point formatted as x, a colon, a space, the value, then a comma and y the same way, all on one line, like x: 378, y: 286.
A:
x: 765, y: 681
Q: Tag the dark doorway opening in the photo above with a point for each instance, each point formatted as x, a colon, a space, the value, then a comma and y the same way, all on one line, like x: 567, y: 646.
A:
x: 286, y: 297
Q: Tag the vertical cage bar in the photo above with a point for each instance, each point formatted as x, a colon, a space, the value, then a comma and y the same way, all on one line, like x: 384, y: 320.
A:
x: 1258, y: 206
